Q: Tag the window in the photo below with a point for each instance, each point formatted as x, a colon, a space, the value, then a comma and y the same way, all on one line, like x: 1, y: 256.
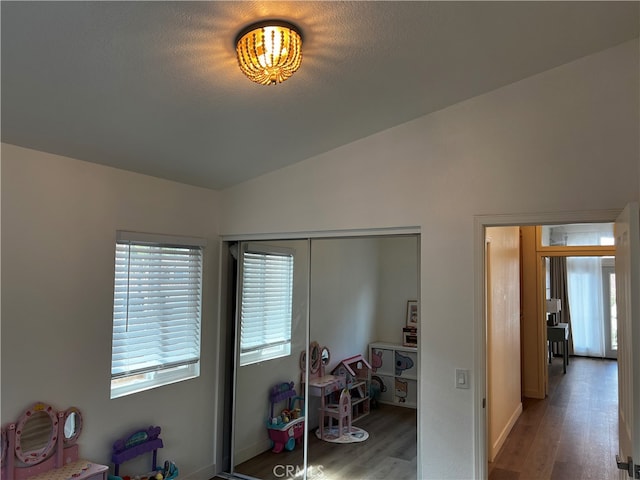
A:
x: 585, y: 234
x: 156, y: 311
x: 266, y: 304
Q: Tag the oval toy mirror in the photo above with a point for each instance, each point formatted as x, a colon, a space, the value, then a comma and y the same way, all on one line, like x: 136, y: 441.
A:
x: 326, y: 356
x: 314, y: 360
x: 3, y: 445
x: 72, y: 425
x: 36, y: 433
x: 303, y: 361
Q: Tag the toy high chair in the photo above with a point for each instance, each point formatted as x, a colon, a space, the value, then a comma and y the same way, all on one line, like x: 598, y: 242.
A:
x: 341, y: 412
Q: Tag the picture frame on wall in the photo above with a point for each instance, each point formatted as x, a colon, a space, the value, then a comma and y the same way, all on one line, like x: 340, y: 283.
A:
x: 412, y: 314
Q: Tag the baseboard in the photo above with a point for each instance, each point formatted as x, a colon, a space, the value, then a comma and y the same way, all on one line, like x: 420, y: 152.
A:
x: 242, y: 455
x: 205, y: 473
x: 495, y: 448
x: 533, y: 394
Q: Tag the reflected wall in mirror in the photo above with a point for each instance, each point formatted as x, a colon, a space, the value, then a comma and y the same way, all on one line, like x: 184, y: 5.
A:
x: 36, y: 433
x: 72, y: 425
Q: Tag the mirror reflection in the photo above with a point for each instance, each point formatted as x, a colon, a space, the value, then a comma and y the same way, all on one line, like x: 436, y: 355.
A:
x: 355, y: 292
x: 326, y: 356
x: 268, y: 416
x: 303, y: 360
x: 36, y: 432
x: 359, y: 293
x: 72, y: 425
x: 314, y: 352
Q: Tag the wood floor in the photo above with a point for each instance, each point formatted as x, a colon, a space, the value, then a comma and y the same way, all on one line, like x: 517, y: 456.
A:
x: 572, y: 434
x: 390, y: 452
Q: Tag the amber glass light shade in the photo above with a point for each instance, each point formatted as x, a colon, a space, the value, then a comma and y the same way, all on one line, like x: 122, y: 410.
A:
x: 269, y: 52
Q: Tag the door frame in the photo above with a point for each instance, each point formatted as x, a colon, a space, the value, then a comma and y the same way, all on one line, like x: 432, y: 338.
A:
x: 607, y: 285
x: 479, y: 324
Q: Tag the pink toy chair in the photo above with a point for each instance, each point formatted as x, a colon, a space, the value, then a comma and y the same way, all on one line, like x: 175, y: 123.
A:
x: 341, y: 412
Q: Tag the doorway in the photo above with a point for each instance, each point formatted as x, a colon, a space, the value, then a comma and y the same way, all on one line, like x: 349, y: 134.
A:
x: 481, y: 223
x: 348, y: 293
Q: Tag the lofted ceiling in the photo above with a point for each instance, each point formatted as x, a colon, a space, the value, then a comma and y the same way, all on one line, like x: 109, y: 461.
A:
x: 154, y: 87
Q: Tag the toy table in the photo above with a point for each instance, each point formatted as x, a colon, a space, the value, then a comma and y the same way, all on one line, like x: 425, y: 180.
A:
x: 80, y: 470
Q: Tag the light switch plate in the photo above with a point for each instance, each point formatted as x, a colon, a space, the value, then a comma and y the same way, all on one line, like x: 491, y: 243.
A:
x: 462, y: 378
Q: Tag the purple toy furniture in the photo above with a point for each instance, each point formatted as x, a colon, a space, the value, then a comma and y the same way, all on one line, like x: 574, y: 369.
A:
x: 137, y: 443
x: 287, y: 427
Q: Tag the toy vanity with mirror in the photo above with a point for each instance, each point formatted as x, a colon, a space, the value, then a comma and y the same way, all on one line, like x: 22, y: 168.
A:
x: 42, y: 444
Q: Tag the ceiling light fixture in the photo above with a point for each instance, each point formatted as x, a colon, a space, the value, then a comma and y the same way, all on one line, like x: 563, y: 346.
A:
x: 269, y: 52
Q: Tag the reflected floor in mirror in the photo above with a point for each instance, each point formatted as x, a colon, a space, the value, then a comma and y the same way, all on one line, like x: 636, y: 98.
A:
x: 389, y: 452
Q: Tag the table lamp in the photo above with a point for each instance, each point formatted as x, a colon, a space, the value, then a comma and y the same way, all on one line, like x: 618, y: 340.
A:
x: 553, y: 308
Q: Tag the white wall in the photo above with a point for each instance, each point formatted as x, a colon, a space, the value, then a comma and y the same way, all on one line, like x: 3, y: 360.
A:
x: 59, y: 218
x: 564, y: 140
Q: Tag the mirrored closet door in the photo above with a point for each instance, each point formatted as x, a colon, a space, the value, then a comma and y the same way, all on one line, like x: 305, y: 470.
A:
x: 270, y: 335
x: 360, y: 292
x: 335, y: 396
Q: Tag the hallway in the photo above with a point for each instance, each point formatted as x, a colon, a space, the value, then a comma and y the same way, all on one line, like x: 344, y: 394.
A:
x: 572, y: 434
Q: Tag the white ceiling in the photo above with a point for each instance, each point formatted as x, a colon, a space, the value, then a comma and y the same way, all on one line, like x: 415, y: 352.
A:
x: 154, y: 87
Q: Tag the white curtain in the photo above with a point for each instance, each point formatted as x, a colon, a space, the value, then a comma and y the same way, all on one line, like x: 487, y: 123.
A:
x: 584, y: 282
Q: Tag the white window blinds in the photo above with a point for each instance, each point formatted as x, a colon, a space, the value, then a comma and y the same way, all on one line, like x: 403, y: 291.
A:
x: 266, y: 306
x: 156, y: 308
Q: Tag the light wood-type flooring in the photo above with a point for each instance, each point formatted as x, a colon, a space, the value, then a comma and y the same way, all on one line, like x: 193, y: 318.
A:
x: 390, y: 452
x: 570, y: 435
